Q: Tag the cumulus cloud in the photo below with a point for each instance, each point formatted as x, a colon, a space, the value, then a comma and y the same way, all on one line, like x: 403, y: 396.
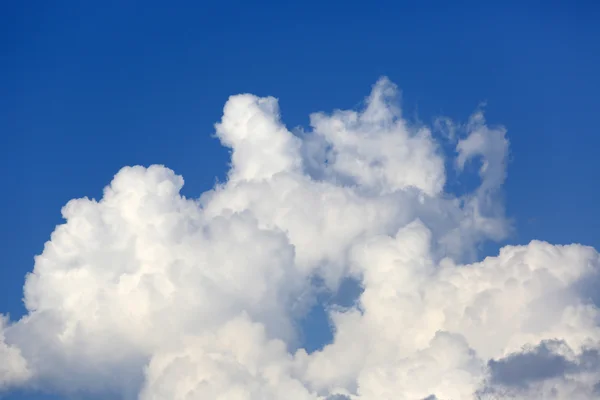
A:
x: 13, y: 367
x: 147, y: 294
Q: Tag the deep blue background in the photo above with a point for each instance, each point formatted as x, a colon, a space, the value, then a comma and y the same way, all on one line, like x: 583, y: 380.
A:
x: 88, y: 87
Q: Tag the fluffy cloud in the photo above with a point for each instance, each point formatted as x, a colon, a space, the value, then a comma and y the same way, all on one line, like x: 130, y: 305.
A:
x: 147, y: 294
x: 13, y: 368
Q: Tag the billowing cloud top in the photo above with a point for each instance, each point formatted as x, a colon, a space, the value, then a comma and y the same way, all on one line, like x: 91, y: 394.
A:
x: 147, y: 294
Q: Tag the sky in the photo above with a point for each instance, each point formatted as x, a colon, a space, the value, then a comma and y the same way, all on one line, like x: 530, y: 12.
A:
x: 87, y: 89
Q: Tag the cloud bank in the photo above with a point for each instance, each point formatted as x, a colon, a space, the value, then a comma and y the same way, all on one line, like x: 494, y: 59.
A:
x: 145, y: 294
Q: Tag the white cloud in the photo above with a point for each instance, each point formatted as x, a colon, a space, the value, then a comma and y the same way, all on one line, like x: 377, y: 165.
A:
x: 377, y: 150
x: 147, y: 294
x: 428, y: 328
x: 237, y: 362
x: 13, y: 367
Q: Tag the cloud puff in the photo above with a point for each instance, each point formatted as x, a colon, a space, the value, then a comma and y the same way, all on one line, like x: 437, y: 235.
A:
x: 13, y: 367
x: 147, y: 294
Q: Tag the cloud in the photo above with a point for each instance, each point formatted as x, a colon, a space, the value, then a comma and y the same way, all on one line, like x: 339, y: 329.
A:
x: 369, y: 148
x: 427, y: 328
x: 549, y: 370
x: 522, y: 368
x: 13, y: 367
x: 147, y: 294
x: 235, y: 362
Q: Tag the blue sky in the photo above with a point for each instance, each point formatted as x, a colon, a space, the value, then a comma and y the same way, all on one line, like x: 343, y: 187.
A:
x: 88, y: 88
